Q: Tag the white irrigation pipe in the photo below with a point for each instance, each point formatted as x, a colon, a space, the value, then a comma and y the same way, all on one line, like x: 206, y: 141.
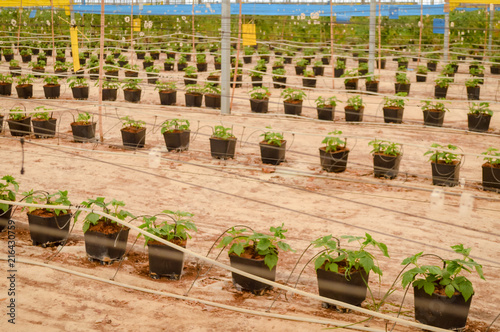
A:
x: 348, y: 325
x: 232, y: 269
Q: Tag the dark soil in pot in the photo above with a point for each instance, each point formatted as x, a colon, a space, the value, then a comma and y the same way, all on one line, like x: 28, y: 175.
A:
x: 445, y: 174
x: 177, y: 140
x: 253, y: 266
x: 222, y: 148
x: 168, y: 97
x: 106, y: 242
x: 326, y: 113
x: 44, y: 128
x: 353, y: 115
x: 133, y: 137
x: 333, y: 161
x: 83, y: 132
x: 52, y: 91
x: 385, y: 166
x: 165, y: 261
x: 20, y: 127
x: 272, y: 154
x: 393, y: 114
x: 47, y: 229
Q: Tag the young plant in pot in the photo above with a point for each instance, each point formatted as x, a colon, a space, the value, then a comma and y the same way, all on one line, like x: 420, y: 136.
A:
x: 259, y: 99
x: 351, y: 79
x: 194, y: 95
x: 176, y: 134
x: 394, y: 108
x: 301, y: 65
x: 279, y: 78
x: 339, y: 69
x: 169, y: 63
x: 441, y: 87
x: 236, y: 76
x: 79, y: 87
x: 371, y: 82
x: 52, y: 88
x: 15, y: 68
x: 165, y: 261
x: 386, y: 158
x: 131, y: 70
x: 181, y: 63
x: 433, y: 113
x: 201, y: 62
x: 448, y: 70
x: 354, y: 109
x: 8, y: 191
x: 148, y: 62
x: 8, y: 53
x: 37, y: 67
x: 44, y: 125
x: 442, y: 295
x: 402, y: 81
x: 222, y: 143
x: 19, y: 122
x: 478, y: 72
x: 318, y: 68
x: 309, y: 80
x: 122, y: 60
x: 167, y: 92
x: 432, y: 63
x: 190, y: 76
x: 445, y: 165
x: 248, y: 51
x: 83, y: 128
x: 93, y: 67
x: 479, y: 117
x: 278, y: 63
x: 292, y: 100
x: 48, y: 227
x: 26, y: 55
x: 255, y: 253
x: 422, y: 73
x: 343, y: 273
x: 105, y: 239
x: 133, y: 132
x: 6, y: 84
x: 473, y: 89
x: 326, y: 107
x: 24, y: 86
x: 333, y: 156
x: 214, y: 77
x: 131, y: 90
x: 153, y: 74
x: 109, y: 89
x: 212, y: 95
x: 272, y: 147
x: 362, y: 69
x: 491, y: 169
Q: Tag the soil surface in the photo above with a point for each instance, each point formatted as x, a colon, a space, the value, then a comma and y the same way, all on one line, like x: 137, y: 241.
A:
x: 403, y: 213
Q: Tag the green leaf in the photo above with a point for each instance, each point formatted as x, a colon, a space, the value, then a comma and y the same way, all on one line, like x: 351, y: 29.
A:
x: 263, y: 244
x: 429, y: 287
x: 449, y: 290
x: 85, y: 227
x: 271, y: 260
x: 237, y: 248
x: 319, y: 261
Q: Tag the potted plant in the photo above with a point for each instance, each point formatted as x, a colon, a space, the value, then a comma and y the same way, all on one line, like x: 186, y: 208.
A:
x: 131, y: 90
x: 479, y: 117
x: 52, y: 88
x: 259, y: 99
x: 354, y: 109
x: 473, y: 89
x: 167, y: 92
x: 44, y: 125
x: 386, y: 158
x: 272, y: 147
x: 403, y: 62
x: 432, y: 63
x: 264, y: 53
x: 254, y: 253
x: 301, y: 66
x: 193, y: 95
x: 181, y: 63
x: 309, y: 80
x: 217, y: 62
x: 176, y: 134
x: 169, y: 63
x: 79, y: 86
x: 326, y: 107
x: 165, y: 261
x: 478, y: 72
x: 122, y: 60
x: 131, y: 70
x: 441, y: 87
x: 8, y: 191
x: 109, y: 89
x: 394, y: 108
x: 212, y: 95
x: 37, y: 67
x: 201, y: 62
x: 442, y: 294
x: 257, y: 73
x: 362, y: 69
x: 422, y: 73
x: 93, y: 67
x: 292, y: 100
x: 148, y: 62
x: 6, y: 84
x: 48, y: 227
x: 448, y: 70
x: 351, y: 79
x: 239, y: 77
x: 402, y: 81
x: 153, y: 74
x: 381, y: 61
x: 339, y: 69
x: 19, y: 123
x: 343, y: 273
x: 278, y: 63
x: 155, y: 54
x: 8, y: 53
x: 445, y: 165
x: 333, y: 156
x: 433, y: 113
x: 318, y: 68
x: 491, y: 169
x: 222, y: 143
x: 371, y: 82
x: 248, y: 51
x: 110, y: 72
x: 105, y: 239
x: 214, y: 77
x: 279, y: 78
x: 26, y: 55
x: 24, y: 86
x: 83, y: 128
x: 190, y: 76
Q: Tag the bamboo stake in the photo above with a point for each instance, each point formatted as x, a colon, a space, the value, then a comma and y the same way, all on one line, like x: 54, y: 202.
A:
x: 420, y: 33
x: 485, y: 32
x: 19, y: 25
x: 237, y: 59
x: 331, y: 45
x: 379, y: 37
x: 52, y: 25
x: 192, y: 28
x: 101, y: 65
x: 132, y: 33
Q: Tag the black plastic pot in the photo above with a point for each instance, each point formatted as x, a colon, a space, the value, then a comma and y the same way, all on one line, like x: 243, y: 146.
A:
x: 1, y: 126
x: 147, y: 64
x: 433, y: 118
x: 259, y: 105
x: 440, y: 310
x: 83, y: 132
x: 131, y: 74
x: 272, y: 154
x: 335, y: 286
x: 402, y: 88
x: 177, y: 141
x: 308, y: 82
x: 337, y: 72
x: 293, y: 108
x: 168, y: 97
x: 109, y: 94
x: 491, y: 177
x: 495, y: 69
x: 5, y: 217
x: 318, y: 71
x: 431, y: 66
x: 190, y: 80
x: 299, y: 70
x: 382, y: 63
x: 421, y: 77
x: 478, y: 122
x: 372, y: 86
x: 440, y: 92
x: 26, y: 58
x: 38, y: 71
x: 111, y: 74
x: 44, y: 128
x: 403, y: 64
x: 80, y: 92
x: 393, y: 114
x: 48, y: 231
x: 325, y: 60
x: 165, y: 261
x: 135, y: 139
x: 212, y: 101
x: 52, y: 91
x: 247, y: 59
x: 155, y: 55
x: 5, y: 89
x: 94, y: 74
x: 202, y: 67
x: 256, y: 81
x: 239, y: 78
x: 181, y: 66
x: 222, y: 148
x: 15, y: 71
x: 106, y: 248
x: 133, y: 96
x: 255, y: 267
x: 333, y: 161
x: 351, y: 84
x: 385, y: 166
x: 445, y: 174
x: 473, y: 92
x: 24, y: 91
x: 193, y: 99
x: 353, y: 115
x: 20, y: 127
x: 279, y: 82
x: 8, y: 57
x: 326, y: 113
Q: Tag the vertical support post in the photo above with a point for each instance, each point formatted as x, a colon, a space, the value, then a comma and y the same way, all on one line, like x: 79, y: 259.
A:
x: 331, y: 45
x: 225, y: 55
x: 485, y: 30
x: 490, y: 37
x: 237, y: 58
x: 193, y: 31
x: 446, y: 44
x: 19, y: 25
x: 52, y: 26
x: 371, y: 49
x: 420, y: 33
x: 101, y: 65
x: 379, y: 36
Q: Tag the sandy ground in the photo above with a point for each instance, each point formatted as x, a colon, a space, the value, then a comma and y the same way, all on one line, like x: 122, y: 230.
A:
x: 310, y: 202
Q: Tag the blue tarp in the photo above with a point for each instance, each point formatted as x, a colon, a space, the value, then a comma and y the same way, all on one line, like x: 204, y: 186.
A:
x: 438, y: 25
x: 393, y: 12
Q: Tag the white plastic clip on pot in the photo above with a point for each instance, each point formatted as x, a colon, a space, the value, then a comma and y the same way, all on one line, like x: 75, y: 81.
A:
x: 437, y: 199
x: 155, y: 157
x: 466, y: 204
x: 462, y: 182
